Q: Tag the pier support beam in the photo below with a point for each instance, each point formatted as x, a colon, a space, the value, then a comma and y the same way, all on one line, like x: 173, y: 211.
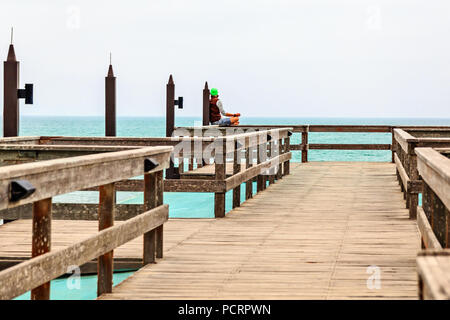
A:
x: 41, y: 240
x: 105, y: 263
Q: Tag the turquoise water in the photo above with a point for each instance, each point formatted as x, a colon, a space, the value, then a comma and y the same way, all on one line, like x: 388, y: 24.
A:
x: 198, y: 205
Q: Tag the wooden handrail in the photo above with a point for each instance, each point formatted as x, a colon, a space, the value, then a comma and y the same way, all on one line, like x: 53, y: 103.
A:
x: 78, y: 172
x: 36, y: 271
x: 36, y: 183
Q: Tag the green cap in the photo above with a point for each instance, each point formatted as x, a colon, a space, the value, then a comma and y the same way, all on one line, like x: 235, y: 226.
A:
x: 214, y: 92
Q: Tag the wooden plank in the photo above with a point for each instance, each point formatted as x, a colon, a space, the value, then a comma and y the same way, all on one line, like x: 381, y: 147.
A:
x: 433, y: 269
x: 349, y: 128
x: 324, y: 146
x: 434, y: 169
x: 77, y: 173
x: 428, y: 237
x: 73, y: 211
x: 256, y: 170
x: 192, y: 185
x: 30, y: 274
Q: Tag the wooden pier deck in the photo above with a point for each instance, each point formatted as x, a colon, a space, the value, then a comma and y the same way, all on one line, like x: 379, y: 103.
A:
x: 320, y: 233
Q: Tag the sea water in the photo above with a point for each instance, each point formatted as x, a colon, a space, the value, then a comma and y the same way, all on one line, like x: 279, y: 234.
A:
x: 199, y: 205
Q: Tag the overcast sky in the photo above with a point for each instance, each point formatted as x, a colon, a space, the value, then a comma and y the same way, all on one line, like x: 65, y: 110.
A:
x: 324, y: 58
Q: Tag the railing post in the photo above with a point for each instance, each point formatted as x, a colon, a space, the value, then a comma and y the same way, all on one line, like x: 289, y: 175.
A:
x: 248, y: 164
x: 150, y: 200
x: 159, y: 201
x: 280, y: 165
x: 393, y: 144
x: 271, y: 146
x: 105, y: 263
x: 41, y: 240
x: 236, y: 170
x: 305, y: 144
x: 206, y: 105
x: 260, y: 149
x: 287, y: 149
x: 220, y: 159
x: 413, y: 174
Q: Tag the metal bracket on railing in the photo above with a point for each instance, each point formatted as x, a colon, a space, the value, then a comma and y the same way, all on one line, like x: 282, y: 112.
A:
x: 150, y: 164
x: 269, y: 137
x: 237, y: 145
x: 289, y: 133
x: 26, y: 93
x: 20, y: 189
x: 179, y: 102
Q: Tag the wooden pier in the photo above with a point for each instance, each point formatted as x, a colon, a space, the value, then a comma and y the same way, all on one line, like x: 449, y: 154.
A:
x: 313, y: 235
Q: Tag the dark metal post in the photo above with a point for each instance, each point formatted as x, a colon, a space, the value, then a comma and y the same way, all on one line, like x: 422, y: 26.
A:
x: 41, y: 240
x: 170, y: 120
x: 110, y: 103
x: 170, y: 107
x: 10, y: 97
x: 206, y: 105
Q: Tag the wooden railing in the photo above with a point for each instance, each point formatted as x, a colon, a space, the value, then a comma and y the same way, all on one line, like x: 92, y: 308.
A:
x: 433, y: 219
x: 263, y: 155
x: 304, y: 130
x: 256, y: 157
x: 405, y: 140
x: 36, y: 184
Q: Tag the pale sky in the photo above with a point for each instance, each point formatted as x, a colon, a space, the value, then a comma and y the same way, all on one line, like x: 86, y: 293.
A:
x: 303, y: 58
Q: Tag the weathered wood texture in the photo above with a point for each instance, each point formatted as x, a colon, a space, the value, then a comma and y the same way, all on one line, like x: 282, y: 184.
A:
x: 313, y: 235
x: 41, y: 269
x: 435, y: 171
x: 15, y: 241
x: 78, y: 173
x: 433, y: 268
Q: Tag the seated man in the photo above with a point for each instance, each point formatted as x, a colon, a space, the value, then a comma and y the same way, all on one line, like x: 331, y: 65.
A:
x: 216, y: 111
